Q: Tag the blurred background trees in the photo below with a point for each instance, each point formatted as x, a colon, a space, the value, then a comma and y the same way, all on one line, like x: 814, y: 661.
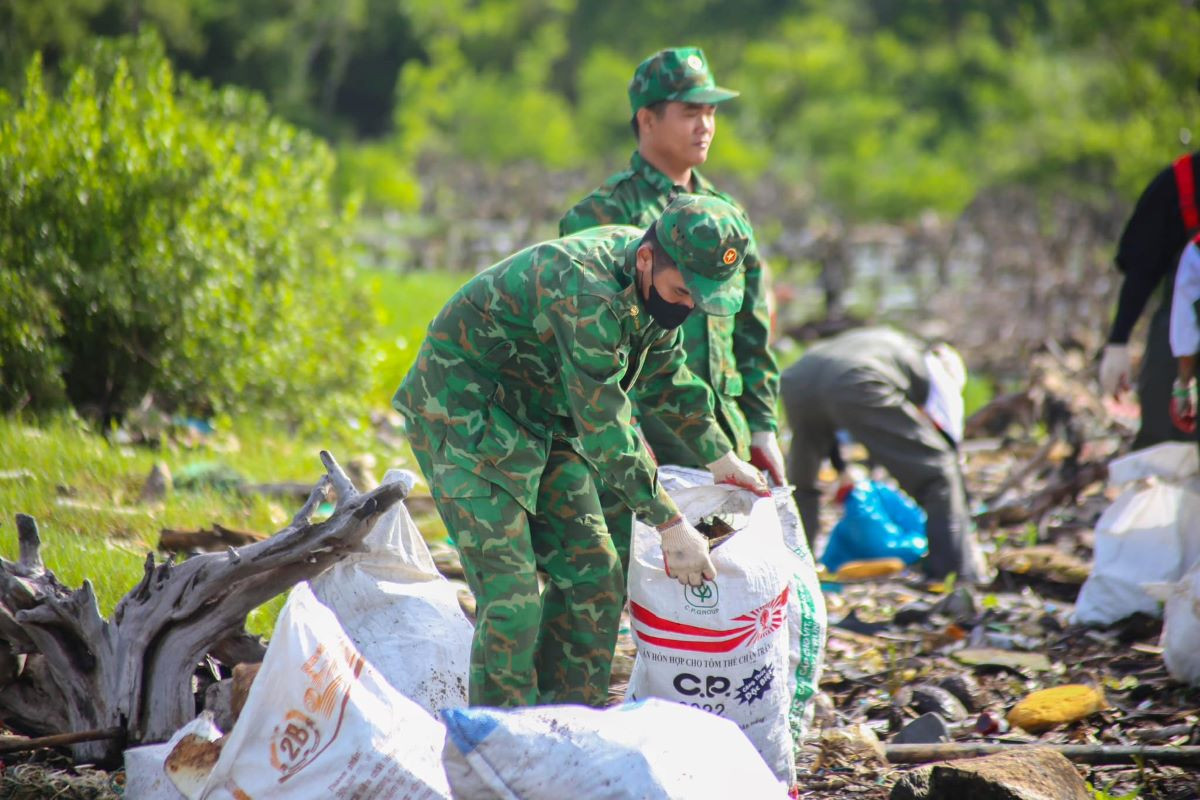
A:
x: 461, y: 122
x: 883, y: 107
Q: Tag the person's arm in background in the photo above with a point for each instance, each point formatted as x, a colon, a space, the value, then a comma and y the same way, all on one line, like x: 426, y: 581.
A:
x: 1142, y: 260
x: 759, y: 370
x: 1185, y: 337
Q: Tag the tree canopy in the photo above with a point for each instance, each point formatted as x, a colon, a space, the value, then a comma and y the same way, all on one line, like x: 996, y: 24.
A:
x: 883, y: 107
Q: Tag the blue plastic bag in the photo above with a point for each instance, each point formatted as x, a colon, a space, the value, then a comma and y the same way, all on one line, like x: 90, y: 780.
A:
x: 879, y: 522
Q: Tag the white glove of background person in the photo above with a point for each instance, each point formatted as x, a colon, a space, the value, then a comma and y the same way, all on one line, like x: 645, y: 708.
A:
x: 685, y: 553
x: 731, y: 469
x: 766, y: 455
x: 1114, y: 369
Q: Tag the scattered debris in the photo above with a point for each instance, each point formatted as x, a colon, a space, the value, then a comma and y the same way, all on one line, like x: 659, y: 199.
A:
x: 926, y: 699
x: 926, y: 729
x: 1043, y: 561
x: 1061, y: 705
x: 849, y: 746
x: 1009, y: 659
x: 213, y: 539
x: 158, y: 484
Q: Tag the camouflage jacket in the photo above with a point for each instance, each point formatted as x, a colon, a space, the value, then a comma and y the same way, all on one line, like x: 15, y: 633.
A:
x: 547, y: 344
x: 730, y: 353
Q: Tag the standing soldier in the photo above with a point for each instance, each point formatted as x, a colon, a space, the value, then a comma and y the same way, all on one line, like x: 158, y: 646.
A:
x: 518, y: 412
x: 1163, y: 221
x: 674, y: 100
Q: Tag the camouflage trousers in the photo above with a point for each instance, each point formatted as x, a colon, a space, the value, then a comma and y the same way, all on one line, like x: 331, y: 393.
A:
x: 529, y: 647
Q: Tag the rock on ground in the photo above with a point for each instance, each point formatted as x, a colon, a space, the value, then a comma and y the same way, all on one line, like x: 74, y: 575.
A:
x: 1035, y: 774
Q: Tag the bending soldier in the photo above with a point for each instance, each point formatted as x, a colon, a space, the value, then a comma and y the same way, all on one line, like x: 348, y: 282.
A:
x: 518, y: 412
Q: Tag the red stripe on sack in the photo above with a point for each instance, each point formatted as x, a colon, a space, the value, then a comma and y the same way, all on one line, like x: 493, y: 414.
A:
x: 698, y: 647
x: 778, y: 602
x: 643, y: 614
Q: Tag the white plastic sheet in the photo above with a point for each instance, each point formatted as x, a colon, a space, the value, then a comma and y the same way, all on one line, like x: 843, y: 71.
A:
x: 1181, y: 626
x: 651, y: 750
x: 401, y: 614
x: 321, y: 723
x: 1150, y: 534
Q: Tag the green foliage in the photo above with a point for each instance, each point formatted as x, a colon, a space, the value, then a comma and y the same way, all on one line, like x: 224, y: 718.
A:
x: 478, y: 96
x: 1106, y: 793
x: 169, y: 238
x: 978, y: 392
x: 379, y: 174
x: 883, y: 108
x: 408, y: 302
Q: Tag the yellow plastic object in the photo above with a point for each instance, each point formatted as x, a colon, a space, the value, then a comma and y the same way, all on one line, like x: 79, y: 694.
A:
x: 865, y: 570
x: 1049, y: 708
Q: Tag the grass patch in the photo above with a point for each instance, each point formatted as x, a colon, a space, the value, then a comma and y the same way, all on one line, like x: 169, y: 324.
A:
x: 83, y: 491
x: 406, y: 303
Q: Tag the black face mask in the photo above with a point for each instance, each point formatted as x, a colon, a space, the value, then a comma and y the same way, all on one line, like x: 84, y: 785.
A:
x: 668, y: 315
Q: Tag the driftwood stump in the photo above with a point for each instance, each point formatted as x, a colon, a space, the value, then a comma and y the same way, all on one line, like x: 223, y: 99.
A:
x: 64, y: 668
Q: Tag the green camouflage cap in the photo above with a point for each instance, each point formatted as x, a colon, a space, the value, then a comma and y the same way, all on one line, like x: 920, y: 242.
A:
x: 677, y: 73
x: 707, y: 238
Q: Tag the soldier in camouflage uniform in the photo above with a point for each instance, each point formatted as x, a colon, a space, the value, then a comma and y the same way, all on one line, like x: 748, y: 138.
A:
x: 518, y: 412
x: 674, y: 98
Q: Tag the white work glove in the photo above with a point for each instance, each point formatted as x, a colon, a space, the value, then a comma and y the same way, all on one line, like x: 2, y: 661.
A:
x: 731, y: 469
x: 685, y: 553
x: 766, y: 455
x: 1114, y: 369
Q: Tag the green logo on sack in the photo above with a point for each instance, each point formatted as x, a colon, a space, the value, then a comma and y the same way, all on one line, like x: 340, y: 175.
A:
x: 702, y: 596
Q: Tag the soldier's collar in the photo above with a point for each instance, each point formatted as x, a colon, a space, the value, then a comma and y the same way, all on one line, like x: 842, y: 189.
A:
x: 701, y: 184
x: 659, y: 180
x: 628, y: 303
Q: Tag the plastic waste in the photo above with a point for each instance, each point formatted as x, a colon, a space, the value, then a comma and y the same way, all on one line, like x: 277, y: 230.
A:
x: 722, y: 646
x: 144, y: 774
x: 651, y: 749
x: 1181, y: 626
x: 807, y: 621
x: 1060, y: 705
x: 878, y: 522
x: 1150, y: 533
x: 401, y: 614
x: 320, y: 721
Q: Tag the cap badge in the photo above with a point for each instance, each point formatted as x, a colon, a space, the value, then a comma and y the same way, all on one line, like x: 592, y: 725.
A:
x: 694, y: 62
x: 730, y: 256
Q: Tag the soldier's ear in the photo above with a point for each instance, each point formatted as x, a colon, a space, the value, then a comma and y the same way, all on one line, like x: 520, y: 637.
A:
x: 645, y: 258
x: 645, y: 117
x: 645, y: 264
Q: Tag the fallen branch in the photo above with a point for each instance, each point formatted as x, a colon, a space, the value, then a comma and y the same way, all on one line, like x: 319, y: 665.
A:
x: 1056, y: 494
x: 20, y: 744
x: 83, y: 672
x: 1081, y: 753
x: 218, y: 538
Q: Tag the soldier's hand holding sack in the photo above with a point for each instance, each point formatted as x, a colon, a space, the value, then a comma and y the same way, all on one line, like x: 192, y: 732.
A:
x: 731, y: 469
x: 766, y: 455
x: 685, y: 553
